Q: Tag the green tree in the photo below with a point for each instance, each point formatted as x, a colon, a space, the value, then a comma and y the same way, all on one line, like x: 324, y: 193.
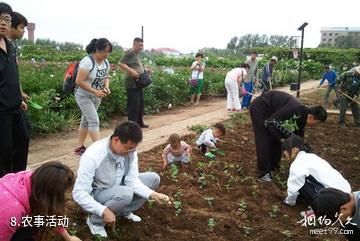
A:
x: 279, y: 41
x: 351, y: 40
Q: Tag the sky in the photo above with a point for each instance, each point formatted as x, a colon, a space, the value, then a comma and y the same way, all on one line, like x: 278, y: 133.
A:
x: 186, y: 25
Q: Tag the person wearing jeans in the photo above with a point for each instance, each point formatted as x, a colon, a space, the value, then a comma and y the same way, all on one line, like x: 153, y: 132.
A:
x: 330, y: 76
x: 108, y: 182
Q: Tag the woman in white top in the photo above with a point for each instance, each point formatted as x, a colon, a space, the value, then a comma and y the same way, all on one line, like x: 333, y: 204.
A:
x: 92, y: 85
x: 233, y: 82
x: 308, y: 172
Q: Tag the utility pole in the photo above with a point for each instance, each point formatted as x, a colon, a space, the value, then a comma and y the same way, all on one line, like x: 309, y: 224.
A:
x: 301, y: 28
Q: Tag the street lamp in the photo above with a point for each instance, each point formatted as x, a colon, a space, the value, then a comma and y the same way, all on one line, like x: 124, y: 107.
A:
x: 301, y: 28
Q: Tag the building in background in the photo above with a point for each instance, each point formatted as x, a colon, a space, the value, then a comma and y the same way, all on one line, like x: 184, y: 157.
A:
x: 167, y: 51
x: 31, y: 32
x: 328, y: 35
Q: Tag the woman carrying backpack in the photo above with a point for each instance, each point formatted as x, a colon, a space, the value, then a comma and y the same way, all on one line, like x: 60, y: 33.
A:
x: 92, y: 85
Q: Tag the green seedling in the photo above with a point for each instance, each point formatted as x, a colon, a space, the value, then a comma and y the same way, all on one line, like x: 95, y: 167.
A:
x: 174, y: 172
x: 209, y: 201
x: 198, y: 128
x: 178, y: 207
x: 202, y: 181
x: 242, y: 206
x: 254, y: 190
x: 151, y: 203
x: 291, y: 123
x: 211, y: 224
x: 201, y: 165
x: 73, y: 230
x: 274, y: 211
x: 287, y: 233
x: 97, y: 237
x: 247, y: 230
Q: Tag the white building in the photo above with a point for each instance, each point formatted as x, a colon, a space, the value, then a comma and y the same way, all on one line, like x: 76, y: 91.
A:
x: 328, y: 35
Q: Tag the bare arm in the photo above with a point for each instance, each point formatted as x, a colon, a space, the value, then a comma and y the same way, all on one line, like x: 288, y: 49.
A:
x: 81, y: 82
x: 129, y: 70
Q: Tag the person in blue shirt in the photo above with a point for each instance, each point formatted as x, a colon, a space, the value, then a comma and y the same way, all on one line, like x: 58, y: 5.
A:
x: 330, y: 76
x: 267, y: 73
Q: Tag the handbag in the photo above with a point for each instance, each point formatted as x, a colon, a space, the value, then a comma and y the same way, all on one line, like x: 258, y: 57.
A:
x: 194, y: 82
x: 143, y: 80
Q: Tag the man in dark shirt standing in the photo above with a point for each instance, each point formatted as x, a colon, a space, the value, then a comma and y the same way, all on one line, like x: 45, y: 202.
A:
x: 278, y: 106
x: 131, y: 63
x: 12, y: 126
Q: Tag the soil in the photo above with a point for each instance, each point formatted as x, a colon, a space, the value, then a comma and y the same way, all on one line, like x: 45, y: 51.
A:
x: 242, y: 208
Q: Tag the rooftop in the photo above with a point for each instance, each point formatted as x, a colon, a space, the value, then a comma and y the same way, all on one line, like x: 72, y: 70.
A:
x: 340, y: 29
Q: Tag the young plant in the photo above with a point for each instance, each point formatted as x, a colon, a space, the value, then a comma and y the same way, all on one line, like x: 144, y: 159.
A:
x: 242, y: 206
x: 198, y: 128
x: 211, y: 224
x: 202, y: 181
x: 291, y: 124
x: 274, y: 211
x: 247, y: 229
x: 151, y: 203
x: 174, y: 172
x: 178, y: 207
x: 209, y: 201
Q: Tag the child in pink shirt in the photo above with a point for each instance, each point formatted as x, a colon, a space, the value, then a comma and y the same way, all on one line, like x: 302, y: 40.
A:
x: 176, y: 151
x: 26, y: 195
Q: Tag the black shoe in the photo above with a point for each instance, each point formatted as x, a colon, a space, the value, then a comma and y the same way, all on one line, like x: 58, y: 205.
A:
x: 143, y: 125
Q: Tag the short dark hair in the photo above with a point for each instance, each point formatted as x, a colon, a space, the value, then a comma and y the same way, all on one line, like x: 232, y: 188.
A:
x: 318, y: 112
x: 295, y: 141
x: 254, y: 52
x: 174, y: 139
x: 17, y: 19
x: 98, y: 44
x: 128, y: 131
x: 329, y: 201
x: 244, y: 66
x: 137, y: 39
x: 5, y: 8
x: 220, y: 127
x: 326, y: 67
x: 199, y: 55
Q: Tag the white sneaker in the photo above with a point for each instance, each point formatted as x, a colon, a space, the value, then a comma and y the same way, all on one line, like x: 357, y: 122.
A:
x: 133, y: 217
x: 266, y: 178
x: 96, y: 229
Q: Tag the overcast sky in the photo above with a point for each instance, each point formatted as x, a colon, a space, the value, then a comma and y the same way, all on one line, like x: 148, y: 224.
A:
x: 186, y: 25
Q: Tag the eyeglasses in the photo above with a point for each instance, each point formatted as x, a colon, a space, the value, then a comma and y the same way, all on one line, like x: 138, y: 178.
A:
x: 5, y: 19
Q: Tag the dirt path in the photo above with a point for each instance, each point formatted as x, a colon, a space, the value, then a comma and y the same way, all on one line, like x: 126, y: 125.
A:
x: 60, y: 147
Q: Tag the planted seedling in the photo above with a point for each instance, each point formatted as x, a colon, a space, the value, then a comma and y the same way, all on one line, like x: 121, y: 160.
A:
x: 209, y: 201
x: 254, y: 190
x: 287, y: 233
x: 174, y: 172
x: 242, y: 206
x: 291, y: 123
x: 178, y: 207
x: 202, y: 181
x: 151, y: 203
x: 247, y: 230
x: 73, y: 229
x: 274, y: 211
x: 211, y: 224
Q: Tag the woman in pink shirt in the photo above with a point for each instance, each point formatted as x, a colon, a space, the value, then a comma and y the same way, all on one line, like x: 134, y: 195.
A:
x: 31, y: 202
x: 233, y: 82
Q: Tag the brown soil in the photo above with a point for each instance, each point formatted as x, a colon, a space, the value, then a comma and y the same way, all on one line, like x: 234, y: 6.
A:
x: 242, y: 207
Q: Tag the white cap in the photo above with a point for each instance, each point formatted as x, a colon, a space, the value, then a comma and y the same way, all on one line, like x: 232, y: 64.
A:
x: 274, y: 58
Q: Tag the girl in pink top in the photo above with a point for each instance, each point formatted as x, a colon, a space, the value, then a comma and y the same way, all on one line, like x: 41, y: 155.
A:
x: 176, y: 151
x: 27, y: 199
